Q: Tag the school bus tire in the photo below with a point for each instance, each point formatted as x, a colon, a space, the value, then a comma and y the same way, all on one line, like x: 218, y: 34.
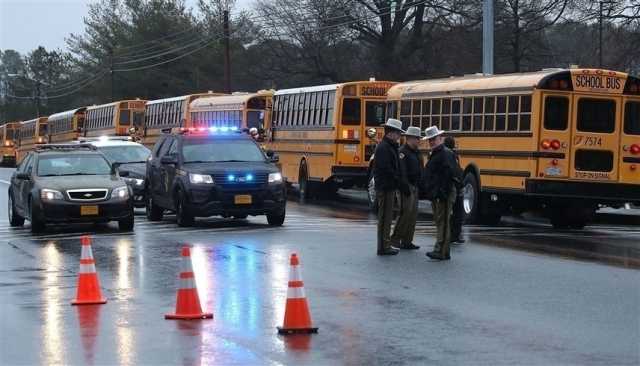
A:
x: 303, y: 181
x: 372, y: 201
x: 471, y: 198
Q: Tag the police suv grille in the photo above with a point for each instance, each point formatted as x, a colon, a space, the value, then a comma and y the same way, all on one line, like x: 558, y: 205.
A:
x: 240, y: 180
x: 87, y: 195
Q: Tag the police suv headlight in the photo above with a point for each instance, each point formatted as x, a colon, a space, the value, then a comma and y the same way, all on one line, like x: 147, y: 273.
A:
x: 50, y: 195
x: 121, y: 193
x: 134, y: 181
x: 275, y: 177
x: 200, y: 178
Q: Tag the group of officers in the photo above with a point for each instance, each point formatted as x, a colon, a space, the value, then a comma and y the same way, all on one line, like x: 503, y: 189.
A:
x: 401, y: 179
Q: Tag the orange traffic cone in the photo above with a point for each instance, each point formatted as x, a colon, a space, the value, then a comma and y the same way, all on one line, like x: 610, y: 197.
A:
x: 296, y: 314
x: 88, y: 283
x: 188, y: 301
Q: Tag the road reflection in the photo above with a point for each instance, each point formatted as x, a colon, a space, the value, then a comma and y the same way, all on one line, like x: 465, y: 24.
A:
x: 89, y: 325
x: 53, y: 351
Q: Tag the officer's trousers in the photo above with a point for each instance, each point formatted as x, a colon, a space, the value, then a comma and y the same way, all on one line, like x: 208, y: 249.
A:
x: 457, y: 217
x: 406, y: 224
x: 442, y: 216
x: 385, y: 218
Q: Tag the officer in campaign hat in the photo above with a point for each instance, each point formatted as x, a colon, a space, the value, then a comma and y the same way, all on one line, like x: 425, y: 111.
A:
x: 440, y: 174
x: 410, y: 177
x: 386, y: 175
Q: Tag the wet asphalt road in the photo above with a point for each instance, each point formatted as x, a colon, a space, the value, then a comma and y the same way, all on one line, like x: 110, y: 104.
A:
x: 520, y: 293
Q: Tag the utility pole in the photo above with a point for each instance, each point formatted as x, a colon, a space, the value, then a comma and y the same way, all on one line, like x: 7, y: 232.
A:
x: 110, y: 51
x: 487, y: 37
x: 37, y: 98
x: 227, y: 52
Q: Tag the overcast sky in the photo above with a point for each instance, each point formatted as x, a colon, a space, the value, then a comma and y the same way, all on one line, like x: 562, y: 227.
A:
x: 27, y: 24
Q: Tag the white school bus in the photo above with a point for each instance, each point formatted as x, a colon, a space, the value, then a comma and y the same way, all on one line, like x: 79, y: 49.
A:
x: 564, y: 141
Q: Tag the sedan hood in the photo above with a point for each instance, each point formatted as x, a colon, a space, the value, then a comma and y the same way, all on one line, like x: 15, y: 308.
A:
x: 80, y: 182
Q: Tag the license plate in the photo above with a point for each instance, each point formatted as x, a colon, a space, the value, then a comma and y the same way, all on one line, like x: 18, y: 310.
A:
x: 242, y: 199
x: 88, y: 210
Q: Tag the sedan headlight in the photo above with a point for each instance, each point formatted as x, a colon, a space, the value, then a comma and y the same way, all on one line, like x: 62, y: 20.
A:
x: 134, y: 181
x: 275, y: 177
x: 50, y: 195
x: 120, y: 193
x: 200, y: 178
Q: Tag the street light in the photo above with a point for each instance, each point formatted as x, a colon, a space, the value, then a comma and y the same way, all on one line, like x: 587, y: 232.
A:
x: 38, y: 83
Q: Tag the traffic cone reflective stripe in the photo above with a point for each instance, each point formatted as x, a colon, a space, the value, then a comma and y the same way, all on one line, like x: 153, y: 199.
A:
x: 88, y: 283
x: 188, y: 301
x: 297, y: 318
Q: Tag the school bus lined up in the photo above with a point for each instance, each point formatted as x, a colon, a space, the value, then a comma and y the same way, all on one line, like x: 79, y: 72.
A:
x: 565, y: 141
x: 114, y: 119
x: 240, y: 110
x: 67, y: 126
x: 32, y: 132
x: 326, y: 134
x: 9, y: 135
x: 162, y: 114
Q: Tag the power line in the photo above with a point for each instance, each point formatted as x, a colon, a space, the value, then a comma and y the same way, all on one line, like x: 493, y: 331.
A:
x: 166, y: 52
x: 87, y: 83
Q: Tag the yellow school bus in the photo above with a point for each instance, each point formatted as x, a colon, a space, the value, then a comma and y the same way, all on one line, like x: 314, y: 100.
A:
x: 120, y: 118
x: 32, y: 132
x: 167, y: 113
x: 66, y: 126
x: 564, y: 141
x: 8, y: 143
x: 325, y: 135
x: 240, y: 110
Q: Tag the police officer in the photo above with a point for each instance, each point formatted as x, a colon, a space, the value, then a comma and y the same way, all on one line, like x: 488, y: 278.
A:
x: 457, y: 215
x: 386, y: 175
x: 410, y: 177
x: 439, y: 188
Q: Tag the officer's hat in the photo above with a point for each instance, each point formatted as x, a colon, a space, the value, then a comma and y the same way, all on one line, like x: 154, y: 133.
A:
x: 393, y: 124
x: 413, y: 131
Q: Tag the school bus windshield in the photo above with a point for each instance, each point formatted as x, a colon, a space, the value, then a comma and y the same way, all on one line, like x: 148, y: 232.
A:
x: 374, y: 113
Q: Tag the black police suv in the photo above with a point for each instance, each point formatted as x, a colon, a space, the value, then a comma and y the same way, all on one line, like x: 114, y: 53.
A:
x: 200, y: 173
x: 66, y: 184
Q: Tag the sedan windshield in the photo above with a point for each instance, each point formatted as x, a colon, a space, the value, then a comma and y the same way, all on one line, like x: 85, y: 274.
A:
x: 126, y: 154
x: 205, y: 150
x: 74, y: 164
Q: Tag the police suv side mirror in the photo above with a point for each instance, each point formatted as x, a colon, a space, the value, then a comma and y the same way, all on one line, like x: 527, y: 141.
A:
x: 273, y: 156
x: 169, y: 159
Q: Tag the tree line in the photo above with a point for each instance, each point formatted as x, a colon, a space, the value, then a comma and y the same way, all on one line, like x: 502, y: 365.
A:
x: 153, y: 49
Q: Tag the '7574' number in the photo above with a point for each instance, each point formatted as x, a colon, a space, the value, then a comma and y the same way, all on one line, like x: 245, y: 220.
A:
x: 587, y: 140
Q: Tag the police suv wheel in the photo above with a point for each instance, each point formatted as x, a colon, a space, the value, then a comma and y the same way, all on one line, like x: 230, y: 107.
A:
x: 14, y: 218
x: 276, y: 219
x: 37, y: 224
x: 183, y: 217
x: 126, y: 224
x: 153, y: 211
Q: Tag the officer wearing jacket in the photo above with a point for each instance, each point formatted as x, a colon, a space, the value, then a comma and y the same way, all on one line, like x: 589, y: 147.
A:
x: 386, y: 174
x: 440, y: 174
x: 410, y: 178
x: 458, y: 214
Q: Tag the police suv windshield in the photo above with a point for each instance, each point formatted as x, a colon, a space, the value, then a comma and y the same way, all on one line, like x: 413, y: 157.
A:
x: 206, y: 150
x: 73, y: 164
x: 126, y: 154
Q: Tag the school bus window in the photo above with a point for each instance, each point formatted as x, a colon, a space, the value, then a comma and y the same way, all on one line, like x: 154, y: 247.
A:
x: 596, y: 115
x: 477, y: 122
x: 455, y: 114
x: 500, y: 122
x: 405, y: 108
x: 435, y: 107
x: 488, y: 122
x: 405, y: 121
x: 489, y: 105
x: 556, y: 113
x: 466, y: 123
x: 426, y: 122
x: 330, y: 104
x: 467, y: 105
x: 445, y: 123
x: 138, y: 119
x: 374, y: 113
x: 632, y: 118
x: 426, y: 107
x: 525, y: 104
x: 594, y: 160
x: 446, y: 106
x: 392, y: 108
x: 525, y: 122
x: 416, y: 108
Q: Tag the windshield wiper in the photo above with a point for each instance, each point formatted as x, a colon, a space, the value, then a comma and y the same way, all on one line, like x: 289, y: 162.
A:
x: 198, y: 161
x: 77, y: 173
x: 130, y: 162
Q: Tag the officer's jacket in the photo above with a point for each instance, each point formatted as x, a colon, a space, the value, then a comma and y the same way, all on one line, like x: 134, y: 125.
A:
x: 440, y: 172
x: 386, y: 166
x: 410, y: 165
